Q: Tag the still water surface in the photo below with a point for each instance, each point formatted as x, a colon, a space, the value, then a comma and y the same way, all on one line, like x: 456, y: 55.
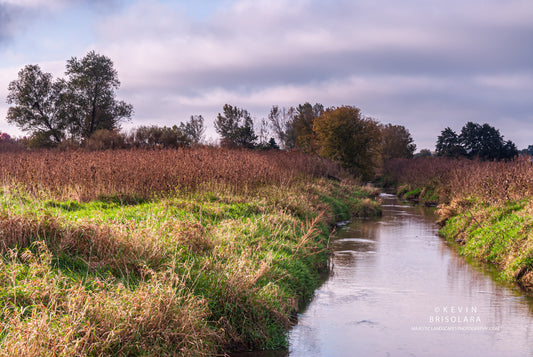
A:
x: 397, y: 289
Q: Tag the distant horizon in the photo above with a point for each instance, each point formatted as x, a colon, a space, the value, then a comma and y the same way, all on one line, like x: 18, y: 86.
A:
x: 426, y: 66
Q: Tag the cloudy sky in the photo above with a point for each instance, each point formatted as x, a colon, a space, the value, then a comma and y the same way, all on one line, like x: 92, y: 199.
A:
x: 422, y: 64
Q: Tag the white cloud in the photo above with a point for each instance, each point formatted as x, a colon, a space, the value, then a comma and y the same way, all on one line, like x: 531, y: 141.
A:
x: 522, y: 82
x: 6, y: 76
x: 33, y: 5
x: 27, y: 3
x: 422, y: 64
x: 412, y: 64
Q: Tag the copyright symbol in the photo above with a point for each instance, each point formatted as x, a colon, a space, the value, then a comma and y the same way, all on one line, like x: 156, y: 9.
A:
x: 437, y: 310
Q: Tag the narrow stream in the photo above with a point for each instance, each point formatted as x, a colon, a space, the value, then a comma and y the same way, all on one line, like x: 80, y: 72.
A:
x: 397, y: 289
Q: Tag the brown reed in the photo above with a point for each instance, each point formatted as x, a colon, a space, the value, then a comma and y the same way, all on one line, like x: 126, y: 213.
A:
x: 491, y: 181
x: 141, y: 174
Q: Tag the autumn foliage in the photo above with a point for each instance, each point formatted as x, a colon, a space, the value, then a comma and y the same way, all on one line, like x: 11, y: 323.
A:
x: 347, y: 137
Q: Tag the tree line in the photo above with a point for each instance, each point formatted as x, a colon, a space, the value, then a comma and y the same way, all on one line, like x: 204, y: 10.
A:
x: 82, y: 110
x: 341, y: 134
x: 478, y: 141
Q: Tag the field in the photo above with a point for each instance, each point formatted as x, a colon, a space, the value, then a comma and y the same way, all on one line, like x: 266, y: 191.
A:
x: 169, y: 252
x: 486, y: 208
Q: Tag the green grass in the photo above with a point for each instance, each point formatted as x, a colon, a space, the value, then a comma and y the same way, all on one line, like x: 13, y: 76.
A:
x: 412, y: 194
x: 189, y: 274
x: 501, y: 235
x: 424, y: 195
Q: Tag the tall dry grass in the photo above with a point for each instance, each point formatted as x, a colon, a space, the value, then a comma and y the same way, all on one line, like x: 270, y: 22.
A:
x: 45, y: 314
x: 141, y: 174
x: 118, y: 249
x: 491, y: 181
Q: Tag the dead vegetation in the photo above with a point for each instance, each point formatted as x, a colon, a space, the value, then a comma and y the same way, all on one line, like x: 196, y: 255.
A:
x: 133, y: 175
x: 491, y: 181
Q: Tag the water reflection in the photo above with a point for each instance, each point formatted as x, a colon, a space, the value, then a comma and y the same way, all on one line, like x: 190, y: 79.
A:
x: 399, y: 290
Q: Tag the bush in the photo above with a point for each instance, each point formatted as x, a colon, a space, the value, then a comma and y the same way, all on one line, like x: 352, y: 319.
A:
x: 105, y: 139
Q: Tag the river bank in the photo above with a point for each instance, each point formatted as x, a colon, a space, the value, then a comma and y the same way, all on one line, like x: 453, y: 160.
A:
x: 397, y: 288
x: 485, y: 208
x: 199, y: 264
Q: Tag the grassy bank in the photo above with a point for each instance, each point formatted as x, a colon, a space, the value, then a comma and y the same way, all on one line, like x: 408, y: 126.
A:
x: 500, y: 234
x: 214, y: 255
x: 485, y: 207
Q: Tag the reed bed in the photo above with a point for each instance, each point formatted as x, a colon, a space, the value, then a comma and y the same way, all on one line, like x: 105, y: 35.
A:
x: 491, y: 181
x: 143, y: 174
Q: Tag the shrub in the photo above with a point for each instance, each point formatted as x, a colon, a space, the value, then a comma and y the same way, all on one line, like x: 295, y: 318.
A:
x: 105, y: 139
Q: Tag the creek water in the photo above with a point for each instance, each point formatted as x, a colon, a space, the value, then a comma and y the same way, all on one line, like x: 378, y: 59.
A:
x: 398, y: 289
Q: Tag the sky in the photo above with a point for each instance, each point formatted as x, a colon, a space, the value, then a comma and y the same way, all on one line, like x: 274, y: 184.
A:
x: 422, y: 64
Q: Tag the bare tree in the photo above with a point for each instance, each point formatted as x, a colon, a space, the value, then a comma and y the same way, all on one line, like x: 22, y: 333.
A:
x: 281, y: 121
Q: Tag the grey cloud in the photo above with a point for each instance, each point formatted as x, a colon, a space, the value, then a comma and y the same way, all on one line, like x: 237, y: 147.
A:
x: 8, y: 24
x: 4, y: 21
x: 104, y: 6
x: 468, y: 49
x: 15, y: 17
x: 314, y: 43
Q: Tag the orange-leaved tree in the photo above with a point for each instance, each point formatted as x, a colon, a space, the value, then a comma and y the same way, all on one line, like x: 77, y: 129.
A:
x: 396, y: 142
x: 344, y: 135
